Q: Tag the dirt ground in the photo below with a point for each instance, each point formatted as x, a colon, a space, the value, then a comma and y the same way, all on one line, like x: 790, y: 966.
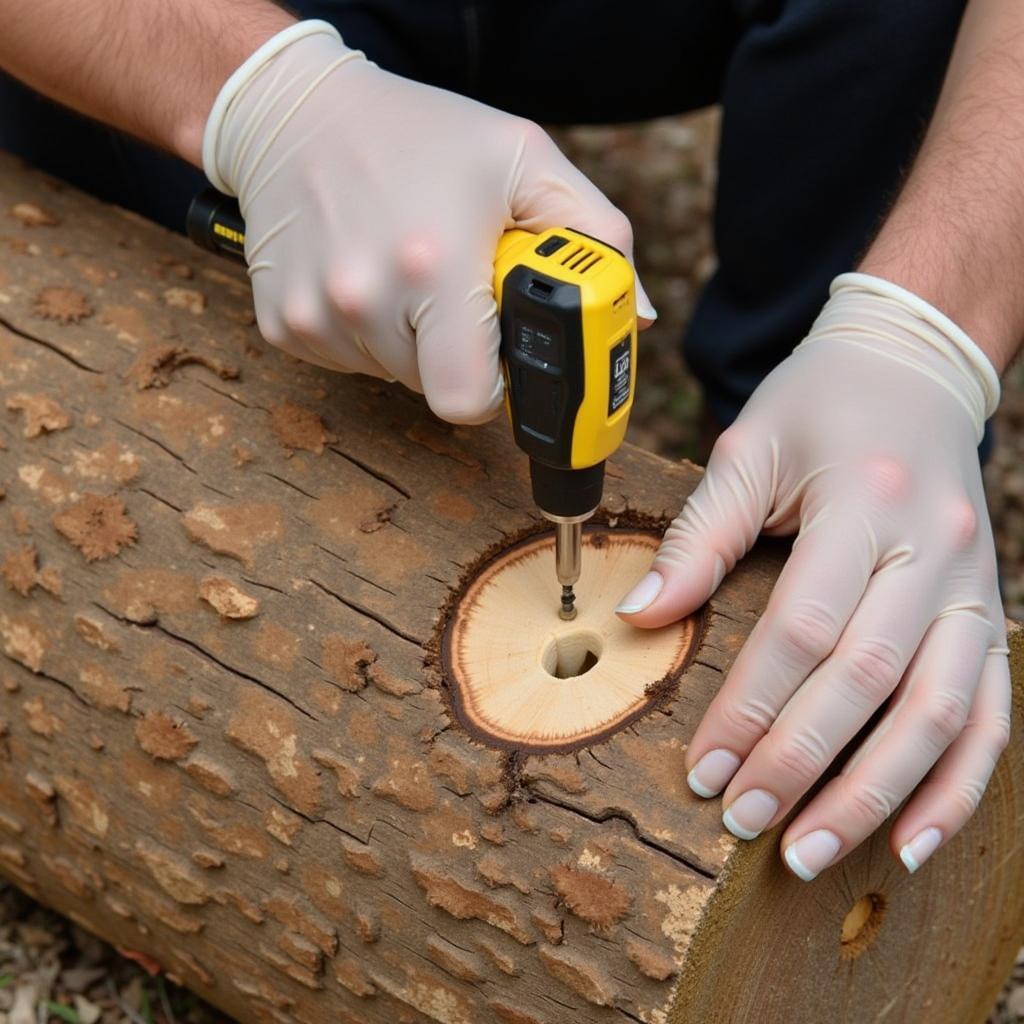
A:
x: 663, y: 176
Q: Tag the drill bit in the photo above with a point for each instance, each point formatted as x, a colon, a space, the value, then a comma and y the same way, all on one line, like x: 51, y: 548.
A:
x: 568, y: 553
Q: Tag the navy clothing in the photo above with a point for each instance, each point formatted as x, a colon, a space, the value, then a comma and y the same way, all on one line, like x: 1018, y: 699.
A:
x: 825, y: 102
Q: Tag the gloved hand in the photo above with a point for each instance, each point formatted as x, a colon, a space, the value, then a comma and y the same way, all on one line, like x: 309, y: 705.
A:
x: 863, y: 442
x: 373, y: 209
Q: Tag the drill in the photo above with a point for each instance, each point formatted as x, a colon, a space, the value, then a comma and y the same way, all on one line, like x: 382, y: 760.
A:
x: 567, y: 311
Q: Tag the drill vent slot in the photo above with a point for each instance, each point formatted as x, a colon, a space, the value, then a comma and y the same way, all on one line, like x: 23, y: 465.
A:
x: 581, y: 259
x: 566, y: 259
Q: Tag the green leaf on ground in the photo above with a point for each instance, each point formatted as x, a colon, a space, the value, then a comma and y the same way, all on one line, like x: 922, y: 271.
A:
x: 146, y: 1008
x: 63, y: 1012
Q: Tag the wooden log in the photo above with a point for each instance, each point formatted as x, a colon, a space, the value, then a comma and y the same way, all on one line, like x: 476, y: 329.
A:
x: 232, y: 739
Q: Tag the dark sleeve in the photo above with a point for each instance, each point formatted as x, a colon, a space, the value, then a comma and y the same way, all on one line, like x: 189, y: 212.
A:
x: 555, y: 61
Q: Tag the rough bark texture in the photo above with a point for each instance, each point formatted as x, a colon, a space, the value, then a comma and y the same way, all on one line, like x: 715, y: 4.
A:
x: 223, y: 739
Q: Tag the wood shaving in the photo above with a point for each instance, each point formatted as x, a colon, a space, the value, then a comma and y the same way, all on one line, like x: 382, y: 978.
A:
x: 65, y: 305
x: 97, y: 526
x: 228, y: 599
x: 42, y: 414
x: 154, y: 367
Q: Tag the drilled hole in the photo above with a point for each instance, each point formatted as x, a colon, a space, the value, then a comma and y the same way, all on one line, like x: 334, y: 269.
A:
x: 572, y: 654
x: 861, y: 925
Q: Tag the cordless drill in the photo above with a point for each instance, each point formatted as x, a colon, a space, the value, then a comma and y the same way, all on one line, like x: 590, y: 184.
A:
x: 567, y: 311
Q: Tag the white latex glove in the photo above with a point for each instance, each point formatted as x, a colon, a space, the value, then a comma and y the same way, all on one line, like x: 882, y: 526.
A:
x: 373, y: 209
x: 864, y: 443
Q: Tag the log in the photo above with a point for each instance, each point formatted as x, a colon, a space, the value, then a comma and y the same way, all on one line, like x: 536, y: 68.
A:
x: 279, y: 663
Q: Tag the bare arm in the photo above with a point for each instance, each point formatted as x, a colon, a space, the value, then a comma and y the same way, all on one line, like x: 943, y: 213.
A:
x: 956, y: 234
x: 150, y: 67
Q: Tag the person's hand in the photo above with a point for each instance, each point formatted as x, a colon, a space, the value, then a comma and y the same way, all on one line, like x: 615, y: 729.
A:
x: 864, y: 443
x: 373, y: 209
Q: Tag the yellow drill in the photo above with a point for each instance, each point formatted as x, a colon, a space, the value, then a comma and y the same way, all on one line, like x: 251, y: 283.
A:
x: 568, y: 350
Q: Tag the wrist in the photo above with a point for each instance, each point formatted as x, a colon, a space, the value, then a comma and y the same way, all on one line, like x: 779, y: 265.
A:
x: 307, y: 51
x: 247, y: 35
x: 883, y: 317
x: 980, y: 307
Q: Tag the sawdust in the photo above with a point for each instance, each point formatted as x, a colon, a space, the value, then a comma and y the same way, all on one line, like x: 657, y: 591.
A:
x: 154, y: 367
x: 299, y: 428
x: 42, y: 414
x: 228, y: 599
x: 97, y: 526
x: 32, y: 216
x: 162, y: 737
x: 65, y: 305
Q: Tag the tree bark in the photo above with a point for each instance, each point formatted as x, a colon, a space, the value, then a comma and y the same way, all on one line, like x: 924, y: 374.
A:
x: 231, y: 739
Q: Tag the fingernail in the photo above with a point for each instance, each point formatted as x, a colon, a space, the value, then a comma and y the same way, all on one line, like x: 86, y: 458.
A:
x: 642, y: 594
x: 748, y: 814
x: 645, y: 309
x: 809, y: 856
x: 709, y: 776
x: 920, y: 848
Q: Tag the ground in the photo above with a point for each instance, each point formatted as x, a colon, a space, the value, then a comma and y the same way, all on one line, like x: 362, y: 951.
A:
x: 662, y: 175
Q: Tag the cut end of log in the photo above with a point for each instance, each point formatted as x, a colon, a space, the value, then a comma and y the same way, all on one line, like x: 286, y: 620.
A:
x: 522, y: 678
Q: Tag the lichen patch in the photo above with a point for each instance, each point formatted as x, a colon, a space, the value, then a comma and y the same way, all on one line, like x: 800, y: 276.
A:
x: 683, y: 908
x: 346, y: 661
x: 93, y: 633
x: 112, y: 463
x: 299, y: 428
x: 62, y: 304
x: 98, y: 526
x: 163, y: 737
x: 237, y: 531
x: 24, y: 641
x: 260, y: 726
x: 99, y: 689
x: 43, y: 414
x: 20, y: 570
x: 592, y: 897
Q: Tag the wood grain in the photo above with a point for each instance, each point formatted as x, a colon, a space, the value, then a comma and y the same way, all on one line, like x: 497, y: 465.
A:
x: 225, y: 741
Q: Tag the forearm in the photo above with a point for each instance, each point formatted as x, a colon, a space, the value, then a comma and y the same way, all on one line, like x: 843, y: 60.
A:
x: 149, y: 67
x: 956, y: 233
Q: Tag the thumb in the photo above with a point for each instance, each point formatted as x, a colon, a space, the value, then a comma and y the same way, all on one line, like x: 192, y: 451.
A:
x: 549, y: 192
x: 715, y: 529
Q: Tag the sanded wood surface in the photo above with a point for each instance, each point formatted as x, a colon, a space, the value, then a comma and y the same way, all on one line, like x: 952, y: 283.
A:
x: 226, y: 740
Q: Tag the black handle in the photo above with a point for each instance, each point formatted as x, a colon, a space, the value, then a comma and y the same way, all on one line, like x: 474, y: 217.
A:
x: 214, y: 222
